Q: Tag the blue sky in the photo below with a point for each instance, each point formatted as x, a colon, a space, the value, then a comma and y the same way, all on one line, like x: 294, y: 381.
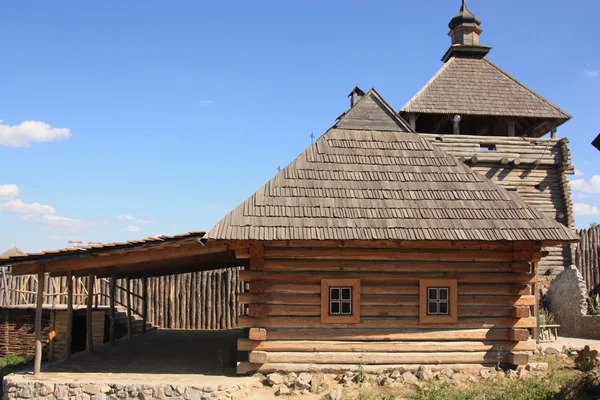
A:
x: 159, y: 117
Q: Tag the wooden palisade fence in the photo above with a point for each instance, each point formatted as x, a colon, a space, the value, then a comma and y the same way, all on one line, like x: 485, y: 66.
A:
x: 587, y: 257
x: 200, y: 300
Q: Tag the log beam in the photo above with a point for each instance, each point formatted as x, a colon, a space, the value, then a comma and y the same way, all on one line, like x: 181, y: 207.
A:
x: 113, y: 286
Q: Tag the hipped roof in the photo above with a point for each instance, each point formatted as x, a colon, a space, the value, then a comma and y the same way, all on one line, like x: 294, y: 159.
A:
x: 13, y: 251
x: 370, y: 178
x: 476, y: 86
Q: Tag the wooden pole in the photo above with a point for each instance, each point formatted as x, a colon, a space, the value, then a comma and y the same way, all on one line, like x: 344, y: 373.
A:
x: 144, y: 303
x: 128, y: 294
x: 89, y: 341
x: 113, y: 286
x: 5, y: 281
x: 69, y: 329
x: 38, y: 323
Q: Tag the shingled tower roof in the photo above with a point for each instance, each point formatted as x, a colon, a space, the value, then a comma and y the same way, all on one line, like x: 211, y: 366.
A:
x: 13, y: 251
x: 369, y: 177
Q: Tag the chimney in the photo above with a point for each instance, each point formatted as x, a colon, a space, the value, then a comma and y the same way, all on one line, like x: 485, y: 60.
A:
x: 355, y: 95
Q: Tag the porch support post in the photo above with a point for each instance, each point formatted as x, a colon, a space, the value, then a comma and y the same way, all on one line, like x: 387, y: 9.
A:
x: 38, y: 322
x: 536, y: 308
x: 511, y: 127
x: 69, y: 332
x: 89, y: 341
x: 144, y: 303
x: 553, y: 132
x: 113, y: 285
x: 128, y: 292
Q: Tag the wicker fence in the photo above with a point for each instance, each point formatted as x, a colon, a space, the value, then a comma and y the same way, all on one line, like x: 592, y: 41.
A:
x: 200, y: 300
x: 587, y: 257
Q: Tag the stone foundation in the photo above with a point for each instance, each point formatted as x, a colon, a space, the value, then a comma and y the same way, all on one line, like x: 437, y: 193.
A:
x: 19, y: 389
x: 567, y: 300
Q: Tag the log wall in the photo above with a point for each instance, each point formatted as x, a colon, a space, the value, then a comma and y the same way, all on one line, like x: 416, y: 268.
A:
x: 495, y: 305
x: 587, y: 257
x: 200, y: 300
x: 537, y: 169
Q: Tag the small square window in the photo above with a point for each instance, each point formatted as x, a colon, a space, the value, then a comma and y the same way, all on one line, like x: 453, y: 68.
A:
x: 438, y: 301
x: 340, y: 301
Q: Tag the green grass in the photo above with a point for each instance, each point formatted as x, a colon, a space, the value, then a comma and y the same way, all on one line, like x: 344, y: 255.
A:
x: 12, y: 363
x: 557, y: 384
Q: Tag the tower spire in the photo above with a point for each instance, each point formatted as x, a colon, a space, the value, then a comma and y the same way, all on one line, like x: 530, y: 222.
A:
x: 465, y: 31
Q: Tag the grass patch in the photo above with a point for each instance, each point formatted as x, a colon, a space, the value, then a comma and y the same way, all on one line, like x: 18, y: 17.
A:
x: 558, y: 383
x: 12, y: 363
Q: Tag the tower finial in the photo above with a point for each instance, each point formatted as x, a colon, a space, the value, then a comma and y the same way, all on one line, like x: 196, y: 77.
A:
x: 465, y: 31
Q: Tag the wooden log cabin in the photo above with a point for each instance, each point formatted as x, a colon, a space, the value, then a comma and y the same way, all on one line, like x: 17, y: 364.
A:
x: 492, y: 122
x: 376, y: 246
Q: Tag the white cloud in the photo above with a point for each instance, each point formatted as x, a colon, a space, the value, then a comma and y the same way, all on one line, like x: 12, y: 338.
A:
x: 55, y: 237
x: 132, y: 228
x: 594, y: 73
x: 18, y: 206
x: 211, y: 206
x: 578, y: 173
x: 28, y: 132
x: 581, y: 196
x: 56, y: 222
x: 590, y: 186
x: 9, y: 191
x: 585, y: 209
x: 136, y: 219
x: 206, y: 102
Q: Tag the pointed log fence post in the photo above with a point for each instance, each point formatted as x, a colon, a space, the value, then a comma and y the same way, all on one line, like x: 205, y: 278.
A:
x: 69, y: 329
x: 38, y: 322
x: 128, y: 293
x: 113, y: 285
x: 89, y: 342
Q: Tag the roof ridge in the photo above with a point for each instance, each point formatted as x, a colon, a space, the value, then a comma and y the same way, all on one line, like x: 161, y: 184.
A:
x: 539, y: 96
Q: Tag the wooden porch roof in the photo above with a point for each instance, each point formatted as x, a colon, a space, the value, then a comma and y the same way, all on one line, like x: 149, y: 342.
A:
x: 154, y: 256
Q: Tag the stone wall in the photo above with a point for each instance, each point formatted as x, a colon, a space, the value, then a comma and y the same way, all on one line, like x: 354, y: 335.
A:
x: 567, y: 300
x: 19, y: 389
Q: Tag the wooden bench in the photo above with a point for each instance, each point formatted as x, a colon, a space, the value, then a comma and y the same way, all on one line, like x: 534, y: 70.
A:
x: 549, y: 333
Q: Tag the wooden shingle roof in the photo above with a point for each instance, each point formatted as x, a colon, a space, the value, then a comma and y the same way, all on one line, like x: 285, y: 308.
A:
x: 476, y: 86
x: 370, y: 178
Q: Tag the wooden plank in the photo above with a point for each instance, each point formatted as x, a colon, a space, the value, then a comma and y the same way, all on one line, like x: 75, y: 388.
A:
x: 388, y: 346
x: 389, y: 334
x: 518, y: 358
x: 398, y: 244
x: 261, y: 357
x: 145, y: 304
x: 257, y: 357
x: 257, y: 334
x: 372, y: 277
x: 520, y: 312
x: 387, y: 254
x: 37, y: 365
x: 518, y: 334
x: 113, y: 285
x: 379, y: 322
x: 392, y: 300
